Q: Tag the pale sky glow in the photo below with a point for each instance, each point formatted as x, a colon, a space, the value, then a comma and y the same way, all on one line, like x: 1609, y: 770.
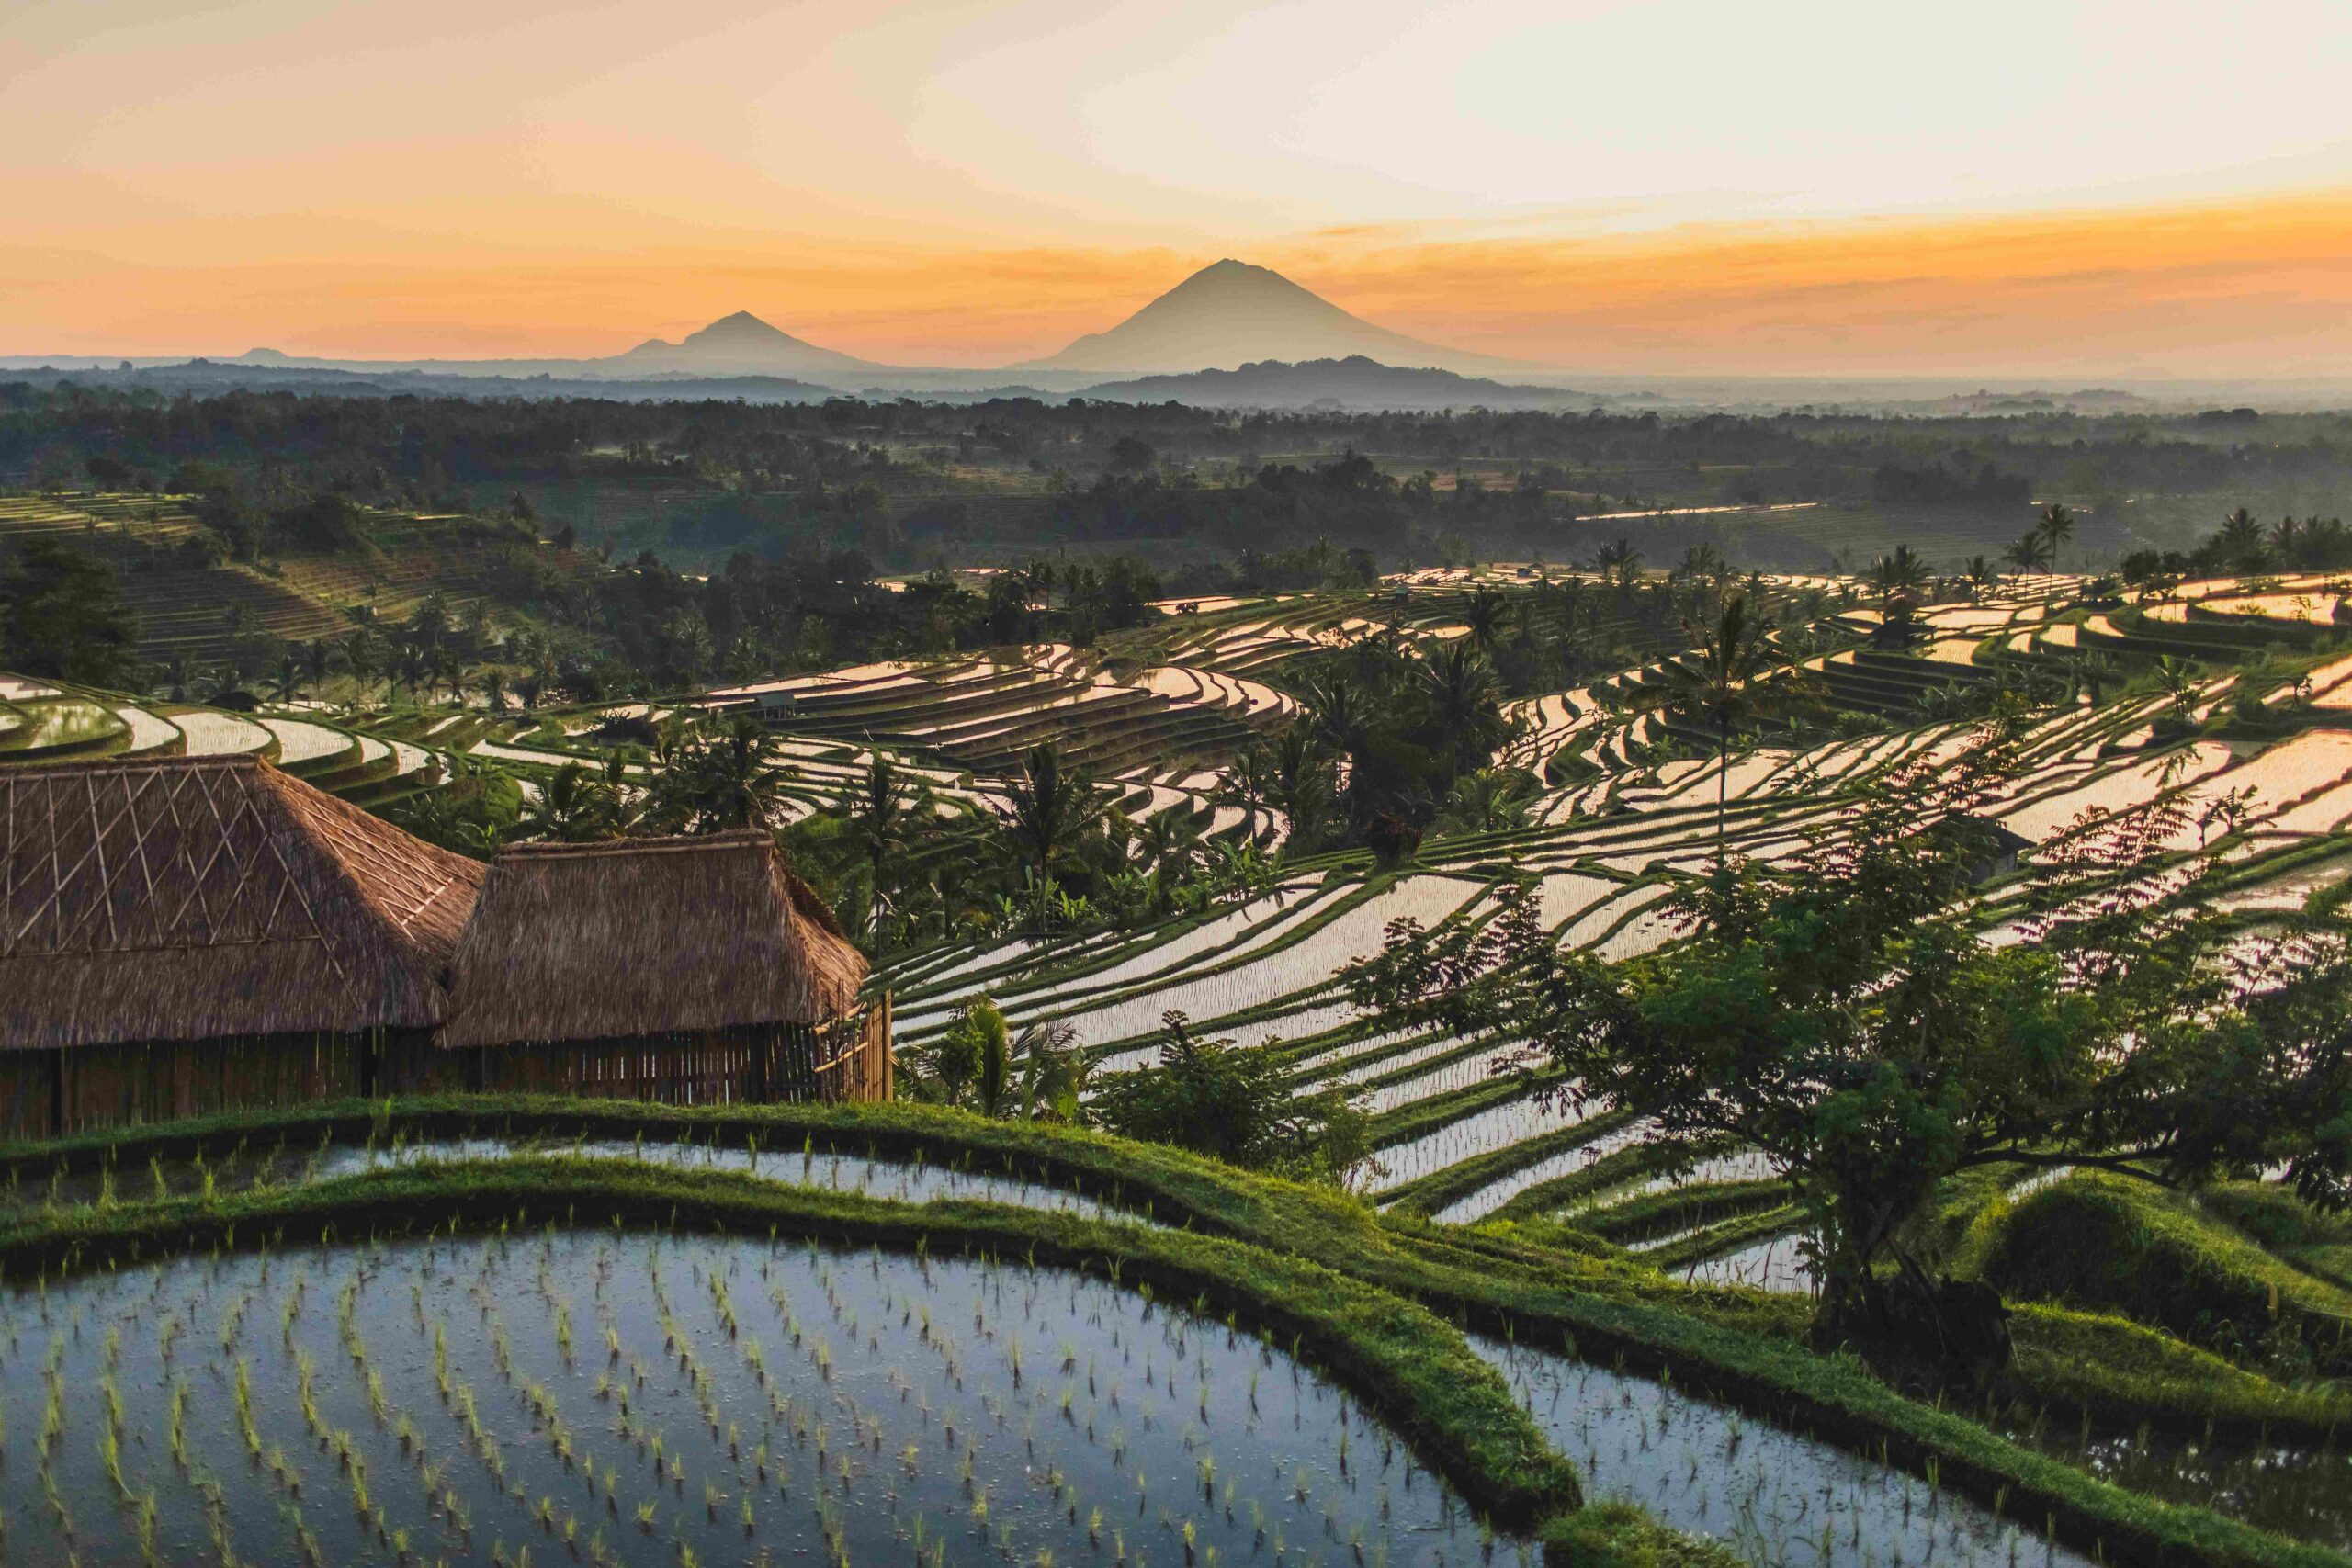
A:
x: 976, y: 183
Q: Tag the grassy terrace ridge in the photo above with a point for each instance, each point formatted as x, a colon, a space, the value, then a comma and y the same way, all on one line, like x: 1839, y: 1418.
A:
x: 1071, y: 980
x: 1428, y: 1194
x: 1402, y: 1360
x: 1731, y: 1345
x: 2106, y: 1241
x: 1438, y: 1112
x: 1294, y: 929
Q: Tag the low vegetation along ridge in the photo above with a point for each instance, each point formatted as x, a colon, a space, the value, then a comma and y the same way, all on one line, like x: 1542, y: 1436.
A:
x: 1712, y: 1041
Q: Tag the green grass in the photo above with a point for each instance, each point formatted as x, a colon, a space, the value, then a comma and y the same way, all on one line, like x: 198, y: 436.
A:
x: 1428, y: 1194
x: 1617, y: 1535
x: 1739, y: 1347
x: 1417, y: 1370
x: 1697, y: 1203
x: 2103, y: 1241
x: 1740, y: 1229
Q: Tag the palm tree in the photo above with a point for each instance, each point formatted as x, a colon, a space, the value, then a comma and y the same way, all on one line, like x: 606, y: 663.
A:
x: 289, y: 677
x: 1343, y: 713
x: 2090, y: 671
x: 1491, y: 800
x: 670, y: 742
x: 574, y: 807
x: 359, y: 658
x: 2057, y: 525
x: 318, y: 661
x: 1901, y: 573
x: 881, y: 815
x: 2287, y: 536
x: 1463, y: 699
x: 738, y: 784
x: 1483, y: 616
x: 1303, y: 782
x: 1247, y: 783
x: 491, y: 685
x: 1169, y: 846
x: 1715, y: 684
x: 2031, y: 553
x: 1700, y: 563
x: 2177, y: 679
x: 1618, y: 561
x: 1053, y: 1073
x: 2241, y: 542
x: 1947, y: 704
x: 1048, y: 807
x: 448, y: 673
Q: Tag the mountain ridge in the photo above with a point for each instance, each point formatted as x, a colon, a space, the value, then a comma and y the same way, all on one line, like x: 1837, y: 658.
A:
x: 1232, y: 313
x: 1358, y: 384
x: 740, y: 343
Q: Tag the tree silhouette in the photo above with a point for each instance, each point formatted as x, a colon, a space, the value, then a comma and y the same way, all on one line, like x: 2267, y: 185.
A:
x: 2240, y: 541
x: 1463, y: 697
x: 1483, y: 616
x: 2031, y: 553
x: 574, y: 807
x: 1716, y: 684
x: 881, y: 815
x: 1048, y: 807
x: 2057, y: 525
x: 1904, y: 572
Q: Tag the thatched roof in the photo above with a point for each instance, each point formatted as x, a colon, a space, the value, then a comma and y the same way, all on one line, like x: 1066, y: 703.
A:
x: 197, y: 897
x: 646, y: 937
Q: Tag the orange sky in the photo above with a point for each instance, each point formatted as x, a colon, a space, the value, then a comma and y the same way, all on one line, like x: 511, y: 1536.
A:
x: 2079, y: 186
x: 2259, y: 287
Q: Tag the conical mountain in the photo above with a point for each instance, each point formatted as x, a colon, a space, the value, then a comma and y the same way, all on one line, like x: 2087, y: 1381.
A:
x: 739, y: 344
x: 1232, y: 314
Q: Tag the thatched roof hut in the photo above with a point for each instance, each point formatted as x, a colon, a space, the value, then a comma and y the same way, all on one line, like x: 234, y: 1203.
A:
x: 646, y: 938
x: 191, y: 898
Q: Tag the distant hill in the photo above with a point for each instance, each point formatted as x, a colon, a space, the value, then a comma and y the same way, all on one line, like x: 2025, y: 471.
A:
x: 739, y: 344
x: 261, y: 370
x: 1354, y: 384
x: 1230, y: 314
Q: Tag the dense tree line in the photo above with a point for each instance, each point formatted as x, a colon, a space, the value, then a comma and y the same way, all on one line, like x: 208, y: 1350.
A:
x: 891, y: 478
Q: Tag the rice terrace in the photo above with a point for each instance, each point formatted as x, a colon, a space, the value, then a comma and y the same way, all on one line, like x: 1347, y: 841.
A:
x: 1175, y: 786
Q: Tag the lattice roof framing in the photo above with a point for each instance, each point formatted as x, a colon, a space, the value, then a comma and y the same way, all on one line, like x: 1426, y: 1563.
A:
x: 189, y: 899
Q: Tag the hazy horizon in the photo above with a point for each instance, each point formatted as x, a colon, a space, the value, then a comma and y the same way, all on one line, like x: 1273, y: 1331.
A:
x: 2078, y: 191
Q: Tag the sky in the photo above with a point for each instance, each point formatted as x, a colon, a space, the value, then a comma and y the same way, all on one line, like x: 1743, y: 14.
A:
x: 2132, y: 189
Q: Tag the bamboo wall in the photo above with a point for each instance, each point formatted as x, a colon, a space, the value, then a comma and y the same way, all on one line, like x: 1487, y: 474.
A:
x: 27, y: 1093
x: 47, y: 1093
x: 753, y: 1065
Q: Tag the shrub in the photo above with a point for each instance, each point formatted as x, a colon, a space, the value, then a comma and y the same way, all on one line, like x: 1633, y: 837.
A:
x: 2106, y: 1241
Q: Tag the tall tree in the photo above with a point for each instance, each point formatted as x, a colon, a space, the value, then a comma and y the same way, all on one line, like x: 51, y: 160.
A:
x: 2031, y: 553
x: 1903, y: 572
x: 574, y: 807
x: 63, y: 615
x: 1463, y: 697
x: 1719, y: 684
x: 880, y: 814
x: 720, y: 776
x: 1840, y: 1013
x: 1048, y: 807
x: 2057, y: 525
x: 2240, y: 541
x: 1483, y: 613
